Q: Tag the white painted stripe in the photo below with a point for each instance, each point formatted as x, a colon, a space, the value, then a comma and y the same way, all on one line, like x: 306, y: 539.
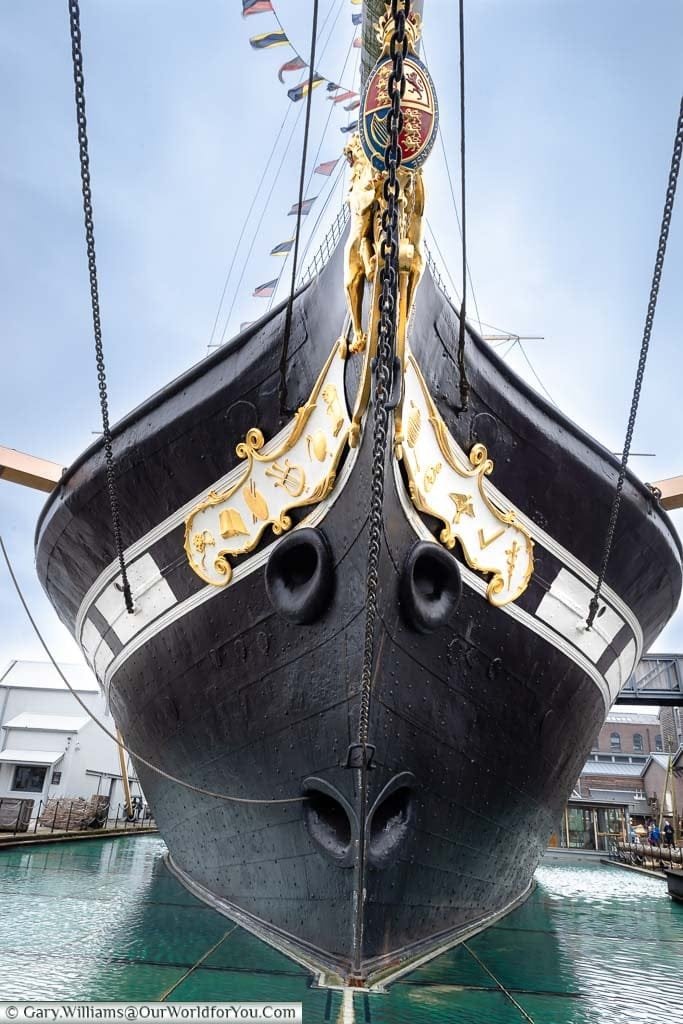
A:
x: 619, y: 672
x: 525, y: 618
x: 347, y: 1015
x: 151, y: 596
x: 171, y: 522
x: 564, y: 608
x: 90, y: 640
x: 577, y: 567
x: 240, y: 571
x: 103, y: 659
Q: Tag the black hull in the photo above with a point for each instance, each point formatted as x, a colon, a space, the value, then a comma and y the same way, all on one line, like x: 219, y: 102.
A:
x: 482, y: 726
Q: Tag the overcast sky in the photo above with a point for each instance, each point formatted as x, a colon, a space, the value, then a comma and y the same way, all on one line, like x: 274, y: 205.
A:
x: 571, y: 110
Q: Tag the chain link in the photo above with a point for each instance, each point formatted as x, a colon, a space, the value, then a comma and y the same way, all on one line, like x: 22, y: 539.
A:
x: 400, y: 10
x: 649, y: 320
x: 79, y: 84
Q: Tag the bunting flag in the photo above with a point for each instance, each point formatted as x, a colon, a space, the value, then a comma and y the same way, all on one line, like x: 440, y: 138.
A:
x: 353, y: 105
x: 357, y: 18
x: 301, y: 90
x: 296, y: 64
x: 356, y: 3
x: 264, y: 291
x: 255, y: 7
x: 331, y: 86
x: 350, y: 127
x: 305, y: 207
x: 357, y: 43
x: 349, y: 94
x: 268, y: 39
x: 282, y: 248
x: 327, y: 167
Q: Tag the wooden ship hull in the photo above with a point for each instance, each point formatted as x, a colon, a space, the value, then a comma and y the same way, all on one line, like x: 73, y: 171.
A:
x: 480, y: 726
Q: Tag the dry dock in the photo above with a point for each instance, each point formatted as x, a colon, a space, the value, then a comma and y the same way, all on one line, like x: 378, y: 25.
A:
x: 105, y: 920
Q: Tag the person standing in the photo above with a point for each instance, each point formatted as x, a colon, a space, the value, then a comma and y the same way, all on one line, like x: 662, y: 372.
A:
x: 668, y: 834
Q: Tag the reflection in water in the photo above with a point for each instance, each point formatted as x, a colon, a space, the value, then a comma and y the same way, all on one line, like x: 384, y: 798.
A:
x: 103, y: 919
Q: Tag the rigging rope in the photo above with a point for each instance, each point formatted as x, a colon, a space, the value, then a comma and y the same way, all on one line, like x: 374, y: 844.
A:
x: 464, y: 386
x: 388, y: 254
x: 297, y: 236
x: 79, y: 89
x: 123, y: 746
x: 647, y: 331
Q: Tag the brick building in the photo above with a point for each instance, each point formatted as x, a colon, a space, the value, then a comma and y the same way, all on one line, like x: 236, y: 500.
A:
x: 628, y: 733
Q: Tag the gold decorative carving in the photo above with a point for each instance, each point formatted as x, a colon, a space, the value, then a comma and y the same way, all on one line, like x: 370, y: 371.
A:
x: 431, y: 474
x: 491, y: 539
x: 334, y: 409
x: 316, y: 445
x: 463, y: 506
x: 273, y: 480
x: 292, y: 478
x: 255, y: 502
x: 232, y: 524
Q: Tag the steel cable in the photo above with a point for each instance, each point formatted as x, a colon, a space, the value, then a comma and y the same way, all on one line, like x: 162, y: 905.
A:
x: 79, y: 90
x: 640, y: 372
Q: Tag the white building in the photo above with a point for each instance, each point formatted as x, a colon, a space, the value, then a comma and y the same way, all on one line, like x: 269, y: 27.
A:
x: 49, y: 746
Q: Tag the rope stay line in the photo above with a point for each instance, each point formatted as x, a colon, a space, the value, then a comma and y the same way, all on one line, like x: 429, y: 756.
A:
x: 464, y: 386
x: 79, y: 93
x: 297, y: 234
x: 640, y: 372
x: 98, y: 722
x: 388, y: 255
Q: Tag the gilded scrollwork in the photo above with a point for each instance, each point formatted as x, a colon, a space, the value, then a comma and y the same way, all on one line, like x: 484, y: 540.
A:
x: 298, y: 470
x: 491, y: 539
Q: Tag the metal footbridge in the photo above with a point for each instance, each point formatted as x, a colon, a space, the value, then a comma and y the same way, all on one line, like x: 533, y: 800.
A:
x: 657, y: 679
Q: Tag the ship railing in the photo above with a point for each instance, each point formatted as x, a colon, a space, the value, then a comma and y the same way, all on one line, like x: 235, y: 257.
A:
x: 327, y: 246
x: 20, y: 816
x: 330, y: 240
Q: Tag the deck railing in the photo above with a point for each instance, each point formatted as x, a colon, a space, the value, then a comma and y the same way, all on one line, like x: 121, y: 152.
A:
x: 20, y: 816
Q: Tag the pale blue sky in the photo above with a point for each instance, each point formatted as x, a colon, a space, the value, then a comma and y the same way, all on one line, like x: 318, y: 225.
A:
x: 571, y: 112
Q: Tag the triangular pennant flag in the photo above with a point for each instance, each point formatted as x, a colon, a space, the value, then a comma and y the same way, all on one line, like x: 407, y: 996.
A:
x: 353, y: 105
x: 255, y: 7
x: 264, y: 291
x: 357, y: 43
x: 305, y: 207
x: 268, y: 39
x: 340, y: 97
x: 331, y: 86
x: 357, y: 18
x: 327, y: 167
x: 301, y: 90
x: 282, y: 248
x: 350, y: 127
x: 296, y: 64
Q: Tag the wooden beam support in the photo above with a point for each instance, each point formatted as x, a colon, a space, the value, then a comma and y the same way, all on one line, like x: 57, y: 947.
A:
x: 27, y: 470
x: 671, y: 491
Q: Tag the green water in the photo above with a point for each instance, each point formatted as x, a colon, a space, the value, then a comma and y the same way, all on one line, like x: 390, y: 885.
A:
x: 104, y: 920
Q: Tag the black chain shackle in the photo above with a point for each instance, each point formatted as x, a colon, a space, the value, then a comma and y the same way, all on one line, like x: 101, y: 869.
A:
x: 388, y: 254
x: 79, y: 84
x: 649, y: 320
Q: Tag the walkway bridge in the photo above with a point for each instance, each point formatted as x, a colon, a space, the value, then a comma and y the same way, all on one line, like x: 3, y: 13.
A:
x: 657, y: 679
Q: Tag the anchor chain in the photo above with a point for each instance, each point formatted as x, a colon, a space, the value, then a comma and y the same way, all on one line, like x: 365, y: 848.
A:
x: 647, y: 332
x: 79, y: 86
x: 388, y: 254
x: 383, y: 386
